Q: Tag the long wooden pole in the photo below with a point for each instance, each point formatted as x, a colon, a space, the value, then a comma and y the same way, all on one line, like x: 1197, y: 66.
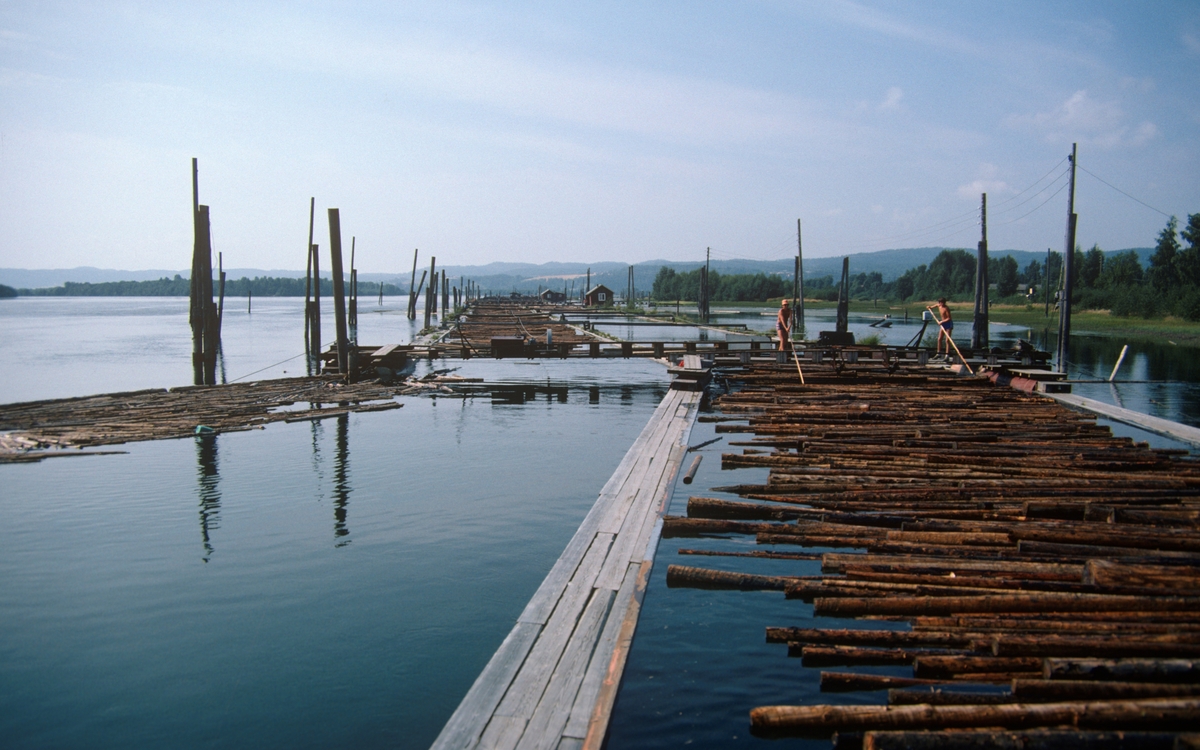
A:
x: 339, y: 290
x: 316, y: 303
x: 312, y: 207
x: 956, y: 351
x: 195, y: 310
x: 412, y: 290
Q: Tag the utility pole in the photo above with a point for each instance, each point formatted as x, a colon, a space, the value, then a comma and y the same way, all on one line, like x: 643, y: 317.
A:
x: 707, y: 260
x: 798, y: 288
x: 1064, y: 305
x: 979, y: 329
x: 1047, y: 282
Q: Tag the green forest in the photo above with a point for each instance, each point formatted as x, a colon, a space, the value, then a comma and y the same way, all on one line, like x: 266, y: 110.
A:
x: 1100, y: 281
x: 260, y: 286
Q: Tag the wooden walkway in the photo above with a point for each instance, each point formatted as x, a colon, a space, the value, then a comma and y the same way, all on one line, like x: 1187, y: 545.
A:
x: 553, y: 681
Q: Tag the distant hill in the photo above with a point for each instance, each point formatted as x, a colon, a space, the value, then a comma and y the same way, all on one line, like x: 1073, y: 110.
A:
x: 503, y: 277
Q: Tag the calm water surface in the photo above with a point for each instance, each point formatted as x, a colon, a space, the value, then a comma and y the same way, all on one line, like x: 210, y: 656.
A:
x: 342, y: 583
x: 332, y: 584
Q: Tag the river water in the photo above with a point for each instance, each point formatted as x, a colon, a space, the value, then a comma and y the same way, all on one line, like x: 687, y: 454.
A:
x: 342, y: 583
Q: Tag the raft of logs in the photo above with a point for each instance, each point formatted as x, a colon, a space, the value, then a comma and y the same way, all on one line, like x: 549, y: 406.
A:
x: 1047, y: 573
x: 41, y: 429
x: 494, y: 317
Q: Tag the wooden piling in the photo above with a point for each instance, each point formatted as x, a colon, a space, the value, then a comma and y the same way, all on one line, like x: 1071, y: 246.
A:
x: 339, y: 291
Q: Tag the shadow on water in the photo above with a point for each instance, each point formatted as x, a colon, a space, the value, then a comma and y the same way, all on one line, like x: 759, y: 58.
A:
x: 341, y: 480
x: 209, y: 493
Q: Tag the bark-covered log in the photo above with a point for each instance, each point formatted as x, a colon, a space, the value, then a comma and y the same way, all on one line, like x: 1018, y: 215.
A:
x: 1157, y: 714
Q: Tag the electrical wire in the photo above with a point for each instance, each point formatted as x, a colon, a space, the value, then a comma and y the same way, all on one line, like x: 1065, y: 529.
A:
x: 1122, y: 192
x: 1022, y: 216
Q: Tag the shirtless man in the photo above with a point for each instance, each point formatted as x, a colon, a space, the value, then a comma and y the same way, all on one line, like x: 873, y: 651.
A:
x: 945, y: 327
x: 783, y: 324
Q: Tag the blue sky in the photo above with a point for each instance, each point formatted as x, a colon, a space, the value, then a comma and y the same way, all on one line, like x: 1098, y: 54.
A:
x: 586, y: 132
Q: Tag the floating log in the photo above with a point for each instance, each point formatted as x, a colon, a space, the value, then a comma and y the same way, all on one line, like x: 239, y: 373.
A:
x: 1114, y: 645
x: 753, y: 553
x: 683, y: 576
x: 845, y: 637
x: 1029, y: 690
x: 714, y: 508
x: 1123, y: 670
x: 947, y: 605
x: 1031, y: 740
x: 849, y: 682
x: 678, y: 526
x: 1157, y: 713
x: 956, y: 664
x: 830, y: 656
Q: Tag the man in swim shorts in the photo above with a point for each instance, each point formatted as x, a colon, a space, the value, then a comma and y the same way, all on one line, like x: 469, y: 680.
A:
x: 783, y: 324
x: 945, y: 328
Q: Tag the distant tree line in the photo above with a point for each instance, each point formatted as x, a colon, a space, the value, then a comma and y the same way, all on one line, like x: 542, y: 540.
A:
x: 7, y: 292
x: 670, y: 284
x: 1100, y: 281
x: 260, y: 286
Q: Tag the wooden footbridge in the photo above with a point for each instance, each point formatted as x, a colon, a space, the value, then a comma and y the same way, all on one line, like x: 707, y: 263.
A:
x: 554, y: 679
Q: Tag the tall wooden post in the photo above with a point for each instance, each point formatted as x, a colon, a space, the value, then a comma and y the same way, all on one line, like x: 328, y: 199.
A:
x: 445, y: 294
x: 315, y: 326
x: 412, y: 290
x: 843, y: 308
x: 339, y: 290
x: 212, y: 336
x: 1048, y: 251
x: 429, y: 296
x: 352, y: 308
x: 1064, y: 305
x: 312, y: 207
x: 195, y: 309
x: 220, y: 294
x: 979, y: 327
x: 707, y: 276
x: 798, y: 289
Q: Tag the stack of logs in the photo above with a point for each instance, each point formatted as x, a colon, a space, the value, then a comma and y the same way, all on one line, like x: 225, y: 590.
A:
x: 496, y: 317
x: 158, y: 414
x: 1048, y: 572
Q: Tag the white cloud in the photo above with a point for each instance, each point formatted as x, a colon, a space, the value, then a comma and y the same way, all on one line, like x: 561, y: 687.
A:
x: 892, y: 99
x: 1084, y: 119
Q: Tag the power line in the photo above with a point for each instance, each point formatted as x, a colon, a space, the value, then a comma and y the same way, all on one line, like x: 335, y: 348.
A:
x: 1122, y: 192
x: 1022, y: 216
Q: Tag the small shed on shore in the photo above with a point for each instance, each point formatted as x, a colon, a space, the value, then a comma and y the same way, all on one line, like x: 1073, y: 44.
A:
x: 598, y: 296
x: 549, y: 295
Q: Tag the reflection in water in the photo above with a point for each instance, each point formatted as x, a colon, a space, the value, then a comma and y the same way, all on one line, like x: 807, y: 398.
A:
x: 341, y: 480
x: 210, y: 496
x: 594, y: 394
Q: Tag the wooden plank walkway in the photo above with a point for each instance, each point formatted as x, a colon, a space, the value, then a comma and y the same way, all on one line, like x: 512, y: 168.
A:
x: 553, y: 681
x: 1182, y: 432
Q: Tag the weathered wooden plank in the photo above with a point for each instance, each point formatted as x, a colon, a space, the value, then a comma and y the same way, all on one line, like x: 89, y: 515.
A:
x: 545, y: 727
x: 1156, y: 425
x: 502, y: 732
x: 552, y: 587
x: 602, y: 711
x: 469, y: 719
x: 589, y: 690
x: 649, y: 461
x: 527, y: 687
x: 570, y: 743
